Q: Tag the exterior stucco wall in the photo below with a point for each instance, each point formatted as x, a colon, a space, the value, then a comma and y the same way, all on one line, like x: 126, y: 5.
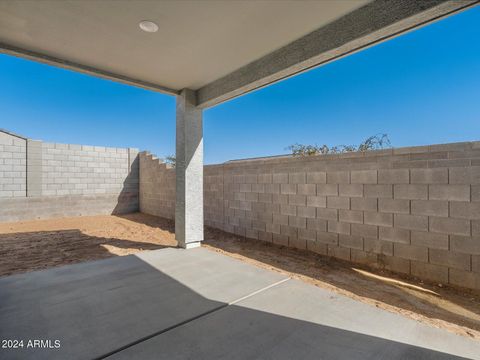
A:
x: 408, y: 210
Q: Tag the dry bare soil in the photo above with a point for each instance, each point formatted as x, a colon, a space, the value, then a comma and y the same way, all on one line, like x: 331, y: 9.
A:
x: 34, y: 245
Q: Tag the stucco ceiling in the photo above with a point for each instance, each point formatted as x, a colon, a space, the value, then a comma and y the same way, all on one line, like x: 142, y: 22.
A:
x: 197, y: 42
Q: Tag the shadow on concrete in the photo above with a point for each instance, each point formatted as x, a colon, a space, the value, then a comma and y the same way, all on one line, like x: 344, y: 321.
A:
x: 28, y: 251
x: 456, y: 306
x: 128, y: 309
x: 238, y: 333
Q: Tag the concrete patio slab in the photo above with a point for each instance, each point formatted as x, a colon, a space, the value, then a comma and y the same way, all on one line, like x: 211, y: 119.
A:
x: 98, y: 307
x: 294, y: 320
x: 177, y: 304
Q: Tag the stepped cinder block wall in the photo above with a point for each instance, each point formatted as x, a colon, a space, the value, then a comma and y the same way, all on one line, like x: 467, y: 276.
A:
x: 46, y: 180
x: 158, y: 187
x: 410, y: 210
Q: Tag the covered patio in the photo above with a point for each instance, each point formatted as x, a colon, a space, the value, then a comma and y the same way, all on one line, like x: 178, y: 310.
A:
x: 204, y: 53
x: 177, y: 304
x: 172, y: 304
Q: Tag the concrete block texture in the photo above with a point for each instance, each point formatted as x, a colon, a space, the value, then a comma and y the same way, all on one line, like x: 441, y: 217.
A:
x: 50, y: 207
x: 306, y: 189
x: 377, y: 246
x: 411, y: 222
x: 338, y: 227
x: 415, y: 215
x: 316, y: 177
x: 327, y: 238
x: 317, y: 201
x: 450, y: 259
x: 465, y: 175
x: 338, y: 177
x: 350, y: 216
x: 47, y: 171
x: 378, y: 191
x: 378, y: 218
x: 351, y: 241
x: 393, y: 176
x: 34, y: 168
x: 13, y: 171
x: 393, y: 206
x: 430, y: 272
x: 351, y: 190
x: 366, y: 204
x: 476, y: 264
x: 411, y: 192
x: 92, y: 169
x: 450, y: 226
x: 410, y: 252
x: 465, y: 244
x: 430, y: 240
x: 464, y: 278
x: 465, y: 210
x: 317, y: 225
x: 430, y: 207
x: 396, y: 212
x: 363, y: 177
x: 335, y: 202
x: 449, y: 192
x: 364, y: 230
x: 429, y: 176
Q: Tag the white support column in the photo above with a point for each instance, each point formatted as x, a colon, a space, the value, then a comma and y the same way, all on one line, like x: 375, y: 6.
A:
x: 189, y: 171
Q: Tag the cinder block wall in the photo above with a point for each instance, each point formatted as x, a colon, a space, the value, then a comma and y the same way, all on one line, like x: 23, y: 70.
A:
x: 409, y: 210
x: 84, y: 170
x: 157, y: 184
x: 65, y: 180
x: 13, y: 173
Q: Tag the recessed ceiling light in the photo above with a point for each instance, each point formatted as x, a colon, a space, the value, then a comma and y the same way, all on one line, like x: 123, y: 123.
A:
x: 148, y: 26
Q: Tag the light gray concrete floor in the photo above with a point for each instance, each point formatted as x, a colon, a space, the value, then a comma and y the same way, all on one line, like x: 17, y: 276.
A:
x: 197, y: 304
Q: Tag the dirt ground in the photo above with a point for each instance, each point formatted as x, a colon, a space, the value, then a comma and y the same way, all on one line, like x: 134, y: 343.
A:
x: 35, y: 245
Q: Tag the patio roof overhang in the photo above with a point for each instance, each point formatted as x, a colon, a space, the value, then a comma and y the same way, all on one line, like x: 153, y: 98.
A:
x: 220, y: 49
x: 205, y: 53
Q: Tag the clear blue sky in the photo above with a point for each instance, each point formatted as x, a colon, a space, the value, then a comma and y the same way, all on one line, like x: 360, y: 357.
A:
x: 420, y: 88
